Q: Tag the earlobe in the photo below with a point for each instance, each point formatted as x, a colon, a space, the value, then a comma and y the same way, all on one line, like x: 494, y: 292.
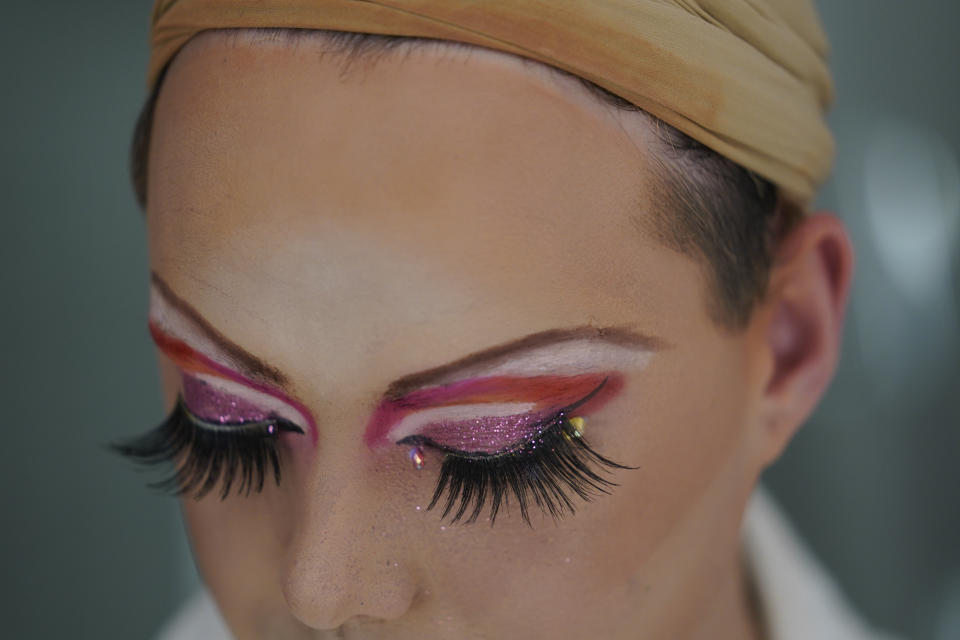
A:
x: 803, y: 324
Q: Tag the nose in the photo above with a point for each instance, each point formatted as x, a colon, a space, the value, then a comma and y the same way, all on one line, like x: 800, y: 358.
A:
x: 347, y: 558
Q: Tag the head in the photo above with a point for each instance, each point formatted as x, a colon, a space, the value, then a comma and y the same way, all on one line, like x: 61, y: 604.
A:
x: 389, y: 239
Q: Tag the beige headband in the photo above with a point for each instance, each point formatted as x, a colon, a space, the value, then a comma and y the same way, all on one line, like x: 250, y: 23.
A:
x: 748, y: 78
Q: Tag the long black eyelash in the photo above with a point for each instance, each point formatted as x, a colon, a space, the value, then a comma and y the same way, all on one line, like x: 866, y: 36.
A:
x: 205, y: 454
x: 546, y: 470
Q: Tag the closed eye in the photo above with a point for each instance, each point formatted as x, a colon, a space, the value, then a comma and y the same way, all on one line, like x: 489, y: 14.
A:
x: 551, y: 468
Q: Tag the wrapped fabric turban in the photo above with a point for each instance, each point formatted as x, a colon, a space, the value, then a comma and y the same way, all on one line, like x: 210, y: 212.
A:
x: 747, y: 78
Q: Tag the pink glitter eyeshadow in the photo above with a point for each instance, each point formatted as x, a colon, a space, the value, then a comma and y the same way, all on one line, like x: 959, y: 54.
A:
x: 209, y: 403
x: 488, y: 434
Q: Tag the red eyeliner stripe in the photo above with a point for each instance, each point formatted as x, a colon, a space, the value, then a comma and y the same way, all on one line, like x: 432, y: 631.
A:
x: 546, y: 392
x: 190, y: 361
x: 535, y: 389
x: 182, y: 355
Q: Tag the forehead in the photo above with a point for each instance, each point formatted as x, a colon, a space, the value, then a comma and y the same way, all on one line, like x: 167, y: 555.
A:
x: 472, y: 186
x: 452, y: 110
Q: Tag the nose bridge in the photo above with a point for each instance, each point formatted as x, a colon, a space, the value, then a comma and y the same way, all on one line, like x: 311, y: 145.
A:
x: 347, y: 557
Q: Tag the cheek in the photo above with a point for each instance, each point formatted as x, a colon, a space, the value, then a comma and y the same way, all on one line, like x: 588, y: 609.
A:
x: 685, y: 429
x: 238, y: 553
x: 548, y: 581
x: 683, y: 424
x: 680, y: 422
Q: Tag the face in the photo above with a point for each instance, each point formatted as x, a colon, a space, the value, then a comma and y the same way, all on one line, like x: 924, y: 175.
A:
x: 438, y: 266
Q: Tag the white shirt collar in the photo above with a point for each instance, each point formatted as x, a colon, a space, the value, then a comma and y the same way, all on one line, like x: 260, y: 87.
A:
x: 797, y: 597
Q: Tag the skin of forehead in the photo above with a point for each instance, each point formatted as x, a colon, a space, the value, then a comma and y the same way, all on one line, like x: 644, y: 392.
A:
x: 465, y: 201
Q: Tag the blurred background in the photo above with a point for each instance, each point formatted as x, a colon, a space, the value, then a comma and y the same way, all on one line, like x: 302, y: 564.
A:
x: 873, y: 482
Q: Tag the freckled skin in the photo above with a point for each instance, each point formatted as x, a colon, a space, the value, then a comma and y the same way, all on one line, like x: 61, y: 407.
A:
x: 351, y: 230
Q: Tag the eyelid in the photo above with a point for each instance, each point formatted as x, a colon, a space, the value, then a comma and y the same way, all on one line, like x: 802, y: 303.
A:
x: 191, y: 362
x: 414, y: 423
x: 402, y: 419
x: 497, y: 435
x: 214, y: 400
x: 265, y: 427
x: 501, y: 435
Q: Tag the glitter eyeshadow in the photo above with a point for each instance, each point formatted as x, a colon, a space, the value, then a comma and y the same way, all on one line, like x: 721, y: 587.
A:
x: 486, y: 434
x: 213, y: 405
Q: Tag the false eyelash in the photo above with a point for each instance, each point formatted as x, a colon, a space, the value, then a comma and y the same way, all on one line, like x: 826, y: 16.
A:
x: 548, y: 469
x: 205, y: 453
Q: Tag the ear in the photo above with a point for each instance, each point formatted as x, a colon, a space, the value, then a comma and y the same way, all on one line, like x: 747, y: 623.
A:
x: 800, y: 327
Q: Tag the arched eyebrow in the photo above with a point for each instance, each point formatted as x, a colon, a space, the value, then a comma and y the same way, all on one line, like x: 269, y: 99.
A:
x: 617, y: 335
x: 257, y: 369
x: 251, y: 366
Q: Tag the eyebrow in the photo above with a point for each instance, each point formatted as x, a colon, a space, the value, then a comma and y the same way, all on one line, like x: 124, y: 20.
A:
x: 252, y: 366
x: 255, y: 367
x: 621, y: 336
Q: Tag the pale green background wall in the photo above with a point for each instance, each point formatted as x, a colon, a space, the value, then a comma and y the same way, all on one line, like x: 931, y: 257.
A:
x: 86, y: 552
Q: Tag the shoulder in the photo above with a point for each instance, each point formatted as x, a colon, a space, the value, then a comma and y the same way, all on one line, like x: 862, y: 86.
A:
x: 798, y: 598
